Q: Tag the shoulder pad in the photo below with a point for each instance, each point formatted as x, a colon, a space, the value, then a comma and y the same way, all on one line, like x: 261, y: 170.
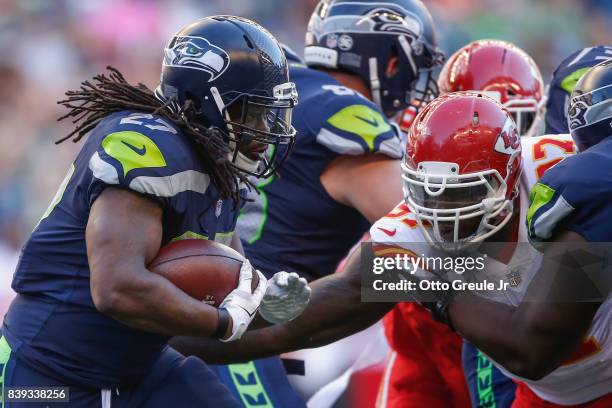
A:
x: 146, y: 154
x: 351, y: 124
x: 554, y: 197
x: 541, y: 153
x: 399, y: 225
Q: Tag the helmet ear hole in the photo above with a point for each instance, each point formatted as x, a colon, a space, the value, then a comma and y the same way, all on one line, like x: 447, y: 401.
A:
x: 393, y: 62
x: 196, y: 103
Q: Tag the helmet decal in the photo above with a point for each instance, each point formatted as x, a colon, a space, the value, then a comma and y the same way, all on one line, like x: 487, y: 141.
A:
x: 390, y: 21
x: 383, y: 20
x: 577, y: 115
x: 196, y: 53
x: 508, y: 141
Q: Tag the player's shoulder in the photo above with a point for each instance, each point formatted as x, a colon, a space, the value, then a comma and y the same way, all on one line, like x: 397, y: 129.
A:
x: 553, y: 141
x: 584, y: 171
x: 133, y: 141
x: 154, y: 131
x: 342, y: 119
x: 541, y: 153
x: 146, y: 153
x: 399, y: 225
x: 574, y: 187
x: 324, y: 93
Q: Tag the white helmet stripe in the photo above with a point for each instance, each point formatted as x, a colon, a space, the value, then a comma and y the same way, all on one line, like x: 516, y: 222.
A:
x: 374, y: 81
x: 408, y: 51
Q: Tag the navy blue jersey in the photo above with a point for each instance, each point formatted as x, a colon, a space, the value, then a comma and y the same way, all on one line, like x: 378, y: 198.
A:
x: 575, y: 195
x: 564, y: 80
x: 294, y: 224
x: 53, y: 323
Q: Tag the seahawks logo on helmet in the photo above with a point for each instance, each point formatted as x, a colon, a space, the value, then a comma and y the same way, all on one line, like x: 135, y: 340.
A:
x: 387, y: 20
x: 196, y: 53
x: 577, y: 114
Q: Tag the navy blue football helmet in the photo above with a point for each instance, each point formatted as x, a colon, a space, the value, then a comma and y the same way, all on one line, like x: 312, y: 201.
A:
x: 235, y: 77
x: 361, y: 36
x: 563, y: 81
x: 590, y: 107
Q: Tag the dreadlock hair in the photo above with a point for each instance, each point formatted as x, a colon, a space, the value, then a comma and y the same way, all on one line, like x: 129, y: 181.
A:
x: 104, y: 95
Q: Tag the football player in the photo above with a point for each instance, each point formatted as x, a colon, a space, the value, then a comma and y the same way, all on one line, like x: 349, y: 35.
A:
x: 503, y: 72
x: 362, y: 63
x: 501, y: 387
x: 417, y: 371
x: 156, y: 167
x: 469, y: 149
x: 563, y: 81
x: 561, y: 347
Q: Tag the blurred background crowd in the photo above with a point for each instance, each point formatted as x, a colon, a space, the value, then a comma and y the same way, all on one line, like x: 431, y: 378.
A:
x: 49, y: 46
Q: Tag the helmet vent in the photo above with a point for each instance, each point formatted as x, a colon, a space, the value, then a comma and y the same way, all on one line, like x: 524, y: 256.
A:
x: 249, y: 43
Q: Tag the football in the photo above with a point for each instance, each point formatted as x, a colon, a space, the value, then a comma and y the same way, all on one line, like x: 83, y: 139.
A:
x: 205, y: 270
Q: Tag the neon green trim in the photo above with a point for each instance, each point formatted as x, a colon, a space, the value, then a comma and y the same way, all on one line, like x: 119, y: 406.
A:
x: 188, y: 235
x: 569, y: 82
x: 264, y: 209
x: 540, y: 195
x: 484, y: 381
x: 247, y: 382
x: 133, y: 150
x: 59, y: 195
x: 5, y: 356
x: 361, y: 120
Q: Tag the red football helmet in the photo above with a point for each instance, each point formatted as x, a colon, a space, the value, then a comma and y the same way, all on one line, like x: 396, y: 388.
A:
x: 503, y: 72
x: 461, y: 169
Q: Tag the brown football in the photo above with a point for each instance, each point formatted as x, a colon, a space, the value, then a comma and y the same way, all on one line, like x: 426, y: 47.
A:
x: 205, y: 270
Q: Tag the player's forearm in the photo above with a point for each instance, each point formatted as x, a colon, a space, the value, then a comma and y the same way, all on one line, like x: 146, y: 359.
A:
x: 491, y: 327
x: 530, y: 340
x: 534, y: 338
x: 334, y: 312
x: 212, y: 351
x: 151, y: 303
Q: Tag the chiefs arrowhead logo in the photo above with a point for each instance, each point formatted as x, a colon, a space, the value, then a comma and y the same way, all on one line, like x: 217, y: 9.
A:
x: 508, y: 141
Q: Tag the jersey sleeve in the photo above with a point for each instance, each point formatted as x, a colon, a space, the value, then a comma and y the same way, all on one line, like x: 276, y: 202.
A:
x: 541, y: 153
x: 398, y: 226
x: 552, y: 204
x: 350, y: 124
x: 154, y: 162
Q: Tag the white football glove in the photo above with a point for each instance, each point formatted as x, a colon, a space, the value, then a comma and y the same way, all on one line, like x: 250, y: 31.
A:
x: 286, y: 297
x: 240, y: 303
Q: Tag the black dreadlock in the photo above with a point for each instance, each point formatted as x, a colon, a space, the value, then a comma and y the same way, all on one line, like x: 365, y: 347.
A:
x: 108, y: 94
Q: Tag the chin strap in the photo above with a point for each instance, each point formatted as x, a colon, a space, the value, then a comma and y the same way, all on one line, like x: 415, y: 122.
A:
x: 244, y: 163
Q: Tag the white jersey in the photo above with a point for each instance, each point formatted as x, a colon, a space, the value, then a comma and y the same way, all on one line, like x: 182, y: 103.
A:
x: 588, y: 374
